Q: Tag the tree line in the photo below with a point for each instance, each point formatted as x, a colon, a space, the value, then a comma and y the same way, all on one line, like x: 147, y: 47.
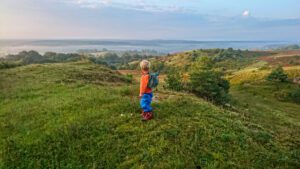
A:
x: 33, y: 57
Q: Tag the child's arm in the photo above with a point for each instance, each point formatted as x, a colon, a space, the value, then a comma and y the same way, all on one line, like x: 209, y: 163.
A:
x: 143, y: 84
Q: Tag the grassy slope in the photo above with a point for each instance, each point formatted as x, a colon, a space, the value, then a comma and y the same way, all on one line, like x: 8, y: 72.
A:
x: 79, y: 115
x: 255, y: 97
x: 184, y: 59
x: 261, y: 67
x: 257, y: 102
x: 251, y: 74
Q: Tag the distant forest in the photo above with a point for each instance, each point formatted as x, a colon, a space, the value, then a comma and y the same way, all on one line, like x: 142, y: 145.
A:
x: 111, y: 59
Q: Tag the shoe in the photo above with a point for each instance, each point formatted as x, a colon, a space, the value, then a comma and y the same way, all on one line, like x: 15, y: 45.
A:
x: 151, y: 115
x: 147, y: 116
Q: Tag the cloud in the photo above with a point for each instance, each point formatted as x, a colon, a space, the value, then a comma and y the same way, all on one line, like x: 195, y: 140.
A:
x: 140, y: 5
x: 90, y: 3
x: 246, y: 13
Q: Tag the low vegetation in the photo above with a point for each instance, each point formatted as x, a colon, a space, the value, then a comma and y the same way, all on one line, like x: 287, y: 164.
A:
x: 278, y: 75
x: 6, y: 64
x: 174, y: 80
x: 203, y: 81
x: 85, y: 115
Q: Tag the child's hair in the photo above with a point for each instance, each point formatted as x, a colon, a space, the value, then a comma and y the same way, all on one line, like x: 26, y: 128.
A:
x: 145, y: 65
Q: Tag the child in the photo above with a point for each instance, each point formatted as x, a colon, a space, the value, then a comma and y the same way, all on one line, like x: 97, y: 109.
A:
x: 145, y: 92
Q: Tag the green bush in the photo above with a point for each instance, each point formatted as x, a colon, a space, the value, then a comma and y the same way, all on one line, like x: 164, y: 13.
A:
x: 157, y: 65
x: 97, y: 61
x: 278, y: 75
x: 5, y: 65
x: 229, y: 53
x: 173, y: 80
x: 32, y: 57
x: 207, y: 83
x: 128, y: 78
x: 295, y: 95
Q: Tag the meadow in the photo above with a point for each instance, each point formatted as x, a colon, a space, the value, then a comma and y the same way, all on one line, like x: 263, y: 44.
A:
x: 85, y: 115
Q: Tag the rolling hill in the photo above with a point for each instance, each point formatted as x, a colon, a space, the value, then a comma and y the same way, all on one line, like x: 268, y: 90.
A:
x: 83, y: 115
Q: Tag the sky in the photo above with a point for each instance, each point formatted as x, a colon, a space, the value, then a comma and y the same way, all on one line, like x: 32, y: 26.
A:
x: 276, y: 20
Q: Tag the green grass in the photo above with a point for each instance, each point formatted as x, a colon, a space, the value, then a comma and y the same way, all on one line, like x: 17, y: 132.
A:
x: 183, y: 60
x: 80, y: 115
x: 258, y: 103
x: 257, y: 73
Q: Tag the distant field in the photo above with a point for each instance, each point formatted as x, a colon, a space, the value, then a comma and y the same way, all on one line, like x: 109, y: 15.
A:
x: 287, y: 58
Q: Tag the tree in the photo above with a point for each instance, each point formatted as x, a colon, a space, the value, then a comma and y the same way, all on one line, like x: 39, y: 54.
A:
x: 126, y: 57
x: 32, y: 57
x: 50, y: 55
x: 208, y: 83
x: 173, y: 80
x: 111, y: 58
x: 157, y: 65
x: 278, y: 75
x: 194, y: 55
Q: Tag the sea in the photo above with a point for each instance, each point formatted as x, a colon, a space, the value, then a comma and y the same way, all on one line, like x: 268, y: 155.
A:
x: 161, y: 46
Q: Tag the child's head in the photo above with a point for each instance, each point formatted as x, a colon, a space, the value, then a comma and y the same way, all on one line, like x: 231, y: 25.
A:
x: 145, y: 65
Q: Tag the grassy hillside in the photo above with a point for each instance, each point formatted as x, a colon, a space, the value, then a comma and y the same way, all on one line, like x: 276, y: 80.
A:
x: 257, y: 73
x: 263, y: 102
x: 81, y: 115
x: 228, y: 59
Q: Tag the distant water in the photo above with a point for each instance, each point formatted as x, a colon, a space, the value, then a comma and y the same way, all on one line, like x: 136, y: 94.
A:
x: 162, y: 46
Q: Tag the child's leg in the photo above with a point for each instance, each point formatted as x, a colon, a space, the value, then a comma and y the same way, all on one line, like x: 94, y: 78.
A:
x: 151, y: 95
x: 146, y: 102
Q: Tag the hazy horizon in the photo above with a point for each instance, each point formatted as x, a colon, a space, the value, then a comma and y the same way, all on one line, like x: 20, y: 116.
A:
x: 161, y: 46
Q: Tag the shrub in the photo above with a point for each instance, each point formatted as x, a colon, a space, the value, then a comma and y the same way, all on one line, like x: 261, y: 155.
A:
x: 129, y: 78
x: 295, y: 95
x: 5, y: 65
x: 157, y: 65
x: 97, y: 61
x: 173, y: 80
x: 207, y: 83
x: 278, y: 75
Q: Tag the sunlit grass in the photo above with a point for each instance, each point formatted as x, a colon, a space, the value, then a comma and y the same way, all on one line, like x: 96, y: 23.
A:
x: 252, y: 74
x: 80, y: 115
